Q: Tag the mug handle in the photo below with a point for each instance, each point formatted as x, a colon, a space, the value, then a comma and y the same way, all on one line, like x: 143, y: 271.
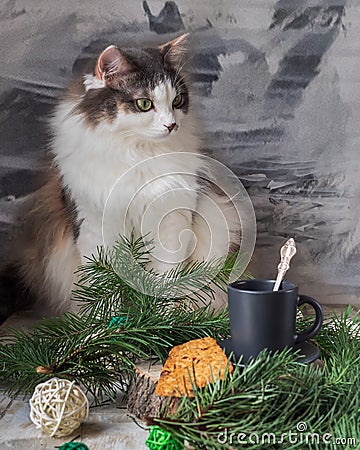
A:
x: 311, y: 332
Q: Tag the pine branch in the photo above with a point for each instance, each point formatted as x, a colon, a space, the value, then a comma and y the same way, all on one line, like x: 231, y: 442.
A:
x: 98, y: 357
x: 101, y: 357
x: 91, y: 355
x: 271, y: 395
x: 274, y: 393
x: 112, y: 280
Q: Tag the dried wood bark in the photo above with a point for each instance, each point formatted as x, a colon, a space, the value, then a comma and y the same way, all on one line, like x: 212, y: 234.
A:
x: 142, y: 401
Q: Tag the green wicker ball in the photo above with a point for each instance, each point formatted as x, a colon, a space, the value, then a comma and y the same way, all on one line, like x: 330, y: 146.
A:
x: 74, y: 446
x: 160, y: 439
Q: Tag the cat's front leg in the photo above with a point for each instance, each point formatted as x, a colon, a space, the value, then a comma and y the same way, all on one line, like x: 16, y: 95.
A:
x: 173, y: 240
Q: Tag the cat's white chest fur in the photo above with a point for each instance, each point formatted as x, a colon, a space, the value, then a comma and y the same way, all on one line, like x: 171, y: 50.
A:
x: 120, y: 186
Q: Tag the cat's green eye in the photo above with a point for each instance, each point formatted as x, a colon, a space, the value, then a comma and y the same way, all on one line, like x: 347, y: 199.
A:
x: 178, y: 101
x: 144, y: 104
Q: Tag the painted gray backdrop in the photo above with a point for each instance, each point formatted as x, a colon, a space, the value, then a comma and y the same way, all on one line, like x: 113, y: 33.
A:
x: 278, y: 88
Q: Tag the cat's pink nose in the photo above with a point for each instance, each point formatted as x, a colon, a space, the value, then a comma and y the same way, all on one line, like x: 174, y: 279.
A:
x: 170, y: 127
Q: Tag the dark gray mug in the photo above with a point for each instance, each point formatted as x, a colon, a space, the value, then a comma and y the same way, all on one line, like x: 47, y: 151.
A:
x: 261, y: 318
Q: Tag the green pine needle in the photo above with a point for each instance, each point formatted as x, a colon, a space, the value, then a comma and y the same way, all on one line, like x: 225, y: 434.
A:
x: 158, y: 313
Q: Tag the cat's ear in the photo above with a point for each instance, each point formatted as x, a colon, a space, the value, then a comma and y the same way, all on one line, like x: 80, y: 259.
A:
x: 173, y: 51
x: 112, y: 62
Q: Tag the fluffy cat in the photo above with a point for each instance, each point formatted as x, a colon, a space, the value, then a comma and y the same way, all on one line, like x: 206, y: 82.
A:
x: 125, y: 142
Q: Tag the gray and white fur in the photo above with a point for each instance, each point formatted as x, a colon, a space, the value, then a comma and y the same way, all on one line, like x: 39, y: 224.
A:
x: 131, y: 118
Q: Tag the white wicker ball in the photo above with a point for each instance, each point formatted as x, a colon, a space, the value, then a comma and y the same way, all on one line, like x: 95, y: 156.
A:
x: 58, y: 407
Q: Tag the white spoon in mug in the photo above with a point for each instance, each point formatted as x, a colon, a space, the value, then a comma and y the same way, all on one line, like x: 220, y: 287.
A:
x: 287, y: 251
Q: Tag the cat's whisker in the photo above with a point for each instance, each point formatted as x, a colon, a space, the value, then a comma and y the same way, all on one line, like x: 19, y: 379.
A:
x: 127, y: 133
x: 181, y: 65
x: 181, y: 84
x: 181, y: 81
